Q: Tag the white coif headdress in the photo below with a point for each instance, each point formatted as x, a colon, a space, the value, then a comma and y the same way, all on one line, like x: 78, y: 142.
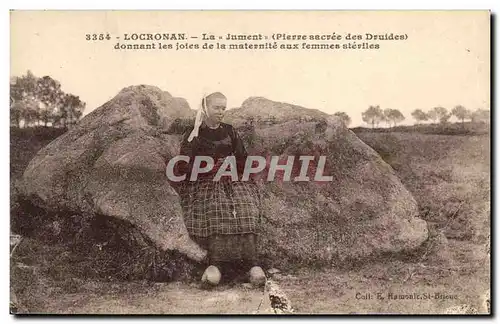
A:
x: 201, y: 114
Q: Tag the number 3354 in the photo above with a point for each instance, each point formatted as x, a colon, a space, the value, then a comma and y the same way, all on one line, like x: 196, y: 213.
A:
x: 95, y: 37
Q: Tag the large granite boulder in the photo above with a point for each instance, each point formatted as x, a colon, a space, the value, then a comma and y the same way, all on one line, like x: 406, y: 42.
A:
x: 364, y: 211
x: 113, y: 164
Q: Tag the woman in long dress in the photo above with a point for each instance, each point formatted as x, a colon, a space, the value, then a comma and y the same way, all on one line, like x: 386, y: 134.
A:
x: 222, y: 216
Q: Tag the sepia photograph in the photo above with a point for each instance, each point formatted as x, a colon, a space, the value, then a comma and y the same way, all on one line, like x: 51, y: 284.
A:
x: 262, y: 163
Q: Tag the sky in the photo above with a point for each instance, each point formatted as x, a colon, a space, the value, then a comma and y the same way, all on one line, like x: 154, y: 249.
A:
x: 444, y: 62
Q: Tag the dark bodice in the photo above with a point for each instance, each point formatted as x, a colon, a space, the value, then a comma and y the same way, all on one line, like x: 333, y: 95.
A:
x: 216, y: 143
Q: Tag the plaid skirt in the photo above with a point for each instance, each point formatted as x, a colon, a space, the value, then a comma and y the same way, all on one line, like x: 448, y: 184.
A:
x: 220, y: 207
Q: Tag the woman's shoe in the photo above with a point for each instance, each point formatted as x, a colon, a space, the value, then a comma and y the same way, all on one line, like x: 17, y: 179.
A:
x: 211, y: 276
x: 257, y: 276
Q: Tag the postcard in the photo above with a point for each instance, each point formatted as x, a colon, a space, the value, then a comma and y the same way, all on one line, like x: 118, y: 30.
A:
x: 250, y: 162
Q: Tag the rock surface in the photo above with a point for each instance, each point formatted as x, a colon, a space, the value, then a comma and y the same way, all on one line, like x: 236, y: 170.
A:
x: 112, y: 163
x: 364, y: 211
x: 263, y: 110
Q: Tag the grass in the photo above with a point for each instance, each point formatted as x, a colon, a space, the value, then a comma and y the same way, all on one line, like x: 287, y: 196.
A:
x: 449, y: 177
x: 443, y: 172
x: 467, y: 128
